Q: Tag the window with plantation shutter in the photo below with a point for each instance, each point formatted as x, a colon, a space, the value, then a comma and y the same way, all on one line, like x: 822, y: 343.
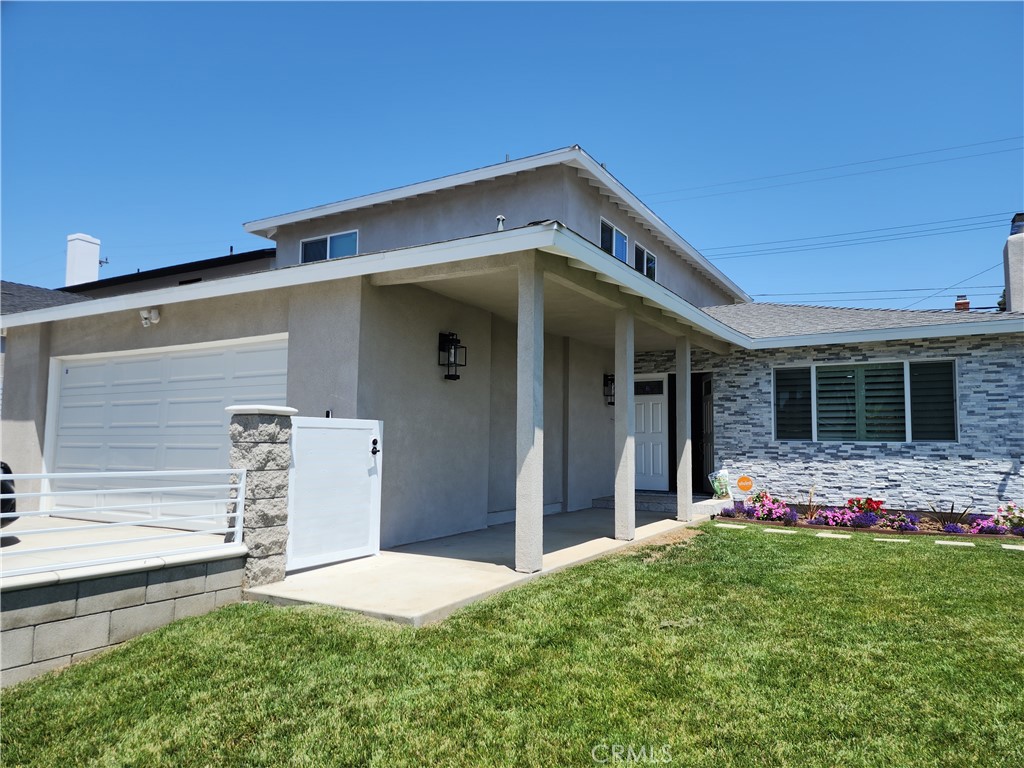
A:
x: 933, y: 401
x: 861, y: 403
x: 837, y: 403
x: 793, y: 404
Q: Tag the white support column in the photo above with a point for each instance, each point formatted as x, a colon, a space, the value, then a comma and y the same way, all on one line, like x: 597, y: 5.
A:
x: 625, y: 428
x: 530, y: 419
x: 684, y: 468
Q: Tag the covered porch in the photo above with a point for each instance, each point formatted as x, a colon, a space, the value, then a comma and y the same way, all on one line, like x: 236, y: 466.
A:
x: 594, y: 313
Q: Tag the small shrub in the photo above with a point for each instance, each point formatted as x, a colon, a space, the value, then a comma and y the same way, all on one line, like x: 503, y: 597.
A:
x: 953, y: 528
x: 864, y: 520
x: 991, y: 525
x: 842, y: 518
x: 790, y: 517
x: 857, y: 504
x: 766, y: 507
x: 727, y: 512
x: 952, y: 517
x: 900, y: 521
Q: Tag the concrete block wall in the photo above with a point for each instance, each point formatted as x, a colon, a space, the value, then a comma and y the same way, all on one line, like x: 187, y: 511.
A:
x: 49, y: 626
x: 983, y: 467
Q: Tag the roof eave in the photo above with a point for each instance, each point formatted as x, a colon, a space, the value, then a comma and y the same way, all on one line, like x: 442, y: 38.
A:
x: 934, y: 331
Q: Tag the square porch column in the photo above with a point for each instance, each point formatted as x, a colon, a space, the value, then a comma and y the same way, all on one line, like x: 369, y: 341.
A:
x: 530, y: 419
x: 625, y: 428
x: 684, y: 469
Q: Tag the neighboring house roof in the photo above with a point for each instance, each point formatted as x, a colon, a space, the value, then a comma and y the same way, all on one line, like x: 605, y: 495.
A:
x: 764, y: 321
x: 573, y: 156
x: 174, y: 269
x: 17, y: 297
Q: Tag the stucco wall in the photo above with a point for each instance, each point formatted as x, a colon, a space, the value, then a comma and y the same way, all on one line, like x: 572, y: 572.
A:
x: 984, y: 467
x: 591, y: 427
x: 436, y: 432
x: 548, y: 193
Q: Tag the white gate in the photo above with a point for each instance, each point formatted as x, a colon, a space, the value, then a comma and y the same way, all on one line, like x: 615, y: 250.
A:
x: 334, y: 491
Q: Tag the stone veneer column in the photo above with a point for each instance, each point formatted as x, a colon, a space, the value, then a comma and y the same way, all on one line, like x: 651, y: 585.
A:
x: 261, y: 444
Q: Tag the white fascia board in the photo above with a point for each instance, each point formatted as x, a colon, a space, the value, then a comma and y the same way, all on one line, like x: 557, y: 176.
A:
x: 492, y: 244
x: 616, y: 187
x: 263, y: 226
x: 974, y: 328
x: 568, y: 243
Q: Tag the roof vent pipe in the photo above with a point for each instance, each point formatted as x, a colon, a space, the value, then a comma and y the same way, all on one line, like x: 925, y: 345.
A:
x: 962, y: 303
x: 501, y: 222
x: 83, y: 260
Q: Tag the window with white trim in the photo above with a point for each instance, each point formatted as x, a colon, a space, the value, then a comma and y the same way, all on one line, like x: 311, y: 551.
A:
x: 644, y: 262
x: 878, y: 402
x: 336, y: 246
x: 614, y: 241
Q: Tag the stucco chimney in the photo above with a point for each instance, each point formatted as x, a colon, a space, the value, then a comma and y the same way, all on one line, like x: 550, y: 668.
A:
x: 962, y: 303
x: 1013, y: 265
x: 83, y: 260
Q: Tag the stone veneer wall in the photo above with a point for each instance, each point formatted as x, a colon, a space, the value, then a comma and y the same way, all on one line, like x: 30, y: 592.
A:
x: 983, y: 468
x: 261, y: 443
x: 50, y: 626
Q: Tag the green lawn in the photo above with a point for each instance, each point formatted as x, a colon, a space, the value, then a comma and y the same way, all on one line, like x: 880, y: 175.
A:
x: 738, y: 648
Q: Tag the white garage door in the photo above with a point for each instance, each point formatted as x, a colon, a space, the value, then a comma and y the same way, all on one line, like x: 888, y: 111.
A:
x: 162, y: 410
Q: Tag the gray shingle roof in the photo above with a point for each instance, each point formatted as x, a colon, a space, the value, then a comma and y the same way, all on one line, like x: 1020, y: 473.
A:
x: 17, y: 297
x: 763, y: 320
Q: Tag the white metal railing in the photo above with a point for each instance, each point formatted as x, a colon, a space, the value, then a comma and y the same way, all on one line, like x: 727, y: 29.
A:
x: 90, y: 519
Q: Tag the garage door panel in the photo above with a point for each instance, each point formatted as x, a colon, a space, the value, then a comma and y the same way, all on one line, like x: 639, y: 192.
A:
x: 196, y: 411
x: 135, y: 414
x: 130, y: 457
x: 127, y: 374
x: 86, y: 414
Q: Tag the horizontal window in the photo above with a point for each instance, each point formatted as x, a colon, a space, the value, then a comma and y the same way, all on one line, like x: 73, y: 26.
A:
x: 645, y: 262
x: 614, y: 241
x: 331, y: 247
x: 866, y: 403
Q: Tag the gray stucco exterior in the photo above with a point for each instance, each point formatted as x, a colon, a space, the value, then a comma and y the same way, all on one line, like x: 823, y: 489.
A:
x: 982, y: 468
x: 553, y: 192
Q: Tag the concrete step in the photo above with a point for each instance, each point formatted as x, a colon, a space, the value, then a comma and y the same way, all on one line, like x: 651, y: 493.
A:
x: 648, y: 502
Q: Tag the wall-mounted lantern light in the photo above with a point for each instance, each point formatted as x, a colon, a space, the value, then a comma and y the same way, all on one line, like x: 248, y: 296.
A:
x: 609, y: 388
x: 149, y: 316
x: 450, y: 354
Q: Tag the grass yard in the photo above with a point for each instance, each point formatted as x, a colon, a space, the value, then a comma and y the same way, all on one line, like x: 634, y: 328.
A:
x: 736, y: 648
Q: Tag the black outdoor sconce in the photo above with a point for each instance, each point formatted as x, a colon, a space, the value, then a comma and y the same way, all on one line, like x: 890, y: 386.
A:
x: 609, y: 388
x: 450, y: 354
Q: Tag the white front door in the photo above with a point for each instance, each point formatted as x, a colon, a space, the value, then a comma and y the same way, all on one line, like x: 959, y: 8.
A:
x: 334, y: 491
x: 651, y: 402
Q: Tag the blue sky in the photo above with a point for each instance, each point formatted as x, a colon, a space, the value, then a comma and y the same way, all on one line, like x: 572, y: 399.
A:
x: 161, y: 128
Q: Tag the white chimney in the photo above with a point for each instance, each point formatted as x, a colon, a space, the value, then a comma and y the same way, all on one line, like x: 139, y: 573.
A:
x: 83, y: 260
x: 1013, y: 265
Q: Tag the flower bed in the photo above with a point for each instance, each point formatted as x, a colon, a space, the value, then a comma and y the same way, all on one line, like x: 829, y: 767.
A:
x: 869, y: 514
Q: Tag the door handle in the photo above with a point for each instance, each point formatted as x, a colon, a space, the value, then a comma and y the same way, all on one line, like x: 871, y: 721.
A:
x: 374, y: 450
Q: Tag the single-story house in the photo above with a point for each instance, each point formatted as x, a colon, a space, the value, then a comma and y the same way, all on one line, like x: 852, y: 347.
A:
x: 593, y: 352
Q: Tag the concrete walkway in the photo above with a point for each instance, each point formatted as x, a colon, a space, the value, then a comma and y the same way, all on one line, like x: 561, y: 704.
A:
x: 424, y: 582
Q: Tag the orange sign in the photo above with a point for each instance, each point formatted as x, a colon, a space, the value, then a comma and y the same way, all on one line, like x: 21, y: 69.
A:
x: 745, y: 483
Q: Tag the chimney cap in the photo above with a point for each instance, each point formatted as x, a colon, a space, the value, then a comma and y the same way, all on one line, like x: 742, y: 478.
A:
x: 83, y: 236
x: 1017, y: 224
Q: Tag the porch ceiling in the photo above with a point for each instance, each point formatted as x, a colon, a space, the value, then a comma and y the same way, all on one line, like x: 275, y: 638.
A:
x: 567, y: 312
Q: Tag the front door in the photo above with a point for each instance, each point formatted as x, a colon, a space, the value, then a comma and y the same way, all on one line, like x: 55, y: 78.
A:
x: 651, y: 402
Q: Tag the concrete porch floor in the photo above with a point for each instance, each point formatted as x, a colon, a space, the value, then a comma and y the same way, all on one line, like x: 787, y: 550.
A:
x: 426, y: 581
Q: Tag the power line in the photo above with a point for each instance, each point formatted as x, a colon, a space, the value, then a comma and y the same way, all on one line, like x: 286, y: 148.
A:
x: 856, y: 232
x: 882, y: 290
x: 876, y: 298
x: 954, y: 285
x: 833, y: 167
x: 839, y: 176
x: 849, y: 243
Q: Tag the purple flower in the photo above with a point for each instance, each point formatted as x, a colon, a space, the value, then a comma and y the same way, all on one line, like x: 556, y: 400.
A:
x: 953, y: 528
x: 790, y: 517
x: 1017, y: 531
x: 864, y: 520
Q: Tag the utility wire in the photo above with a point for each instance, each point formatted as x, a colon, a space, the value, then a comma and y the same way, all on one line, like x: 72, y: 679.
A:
x: 833, y: 167
x: 856, y: 232
x: 954, y: 285
x: 881, y: 290
x: 847, y: 243
x: 838, y: 176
